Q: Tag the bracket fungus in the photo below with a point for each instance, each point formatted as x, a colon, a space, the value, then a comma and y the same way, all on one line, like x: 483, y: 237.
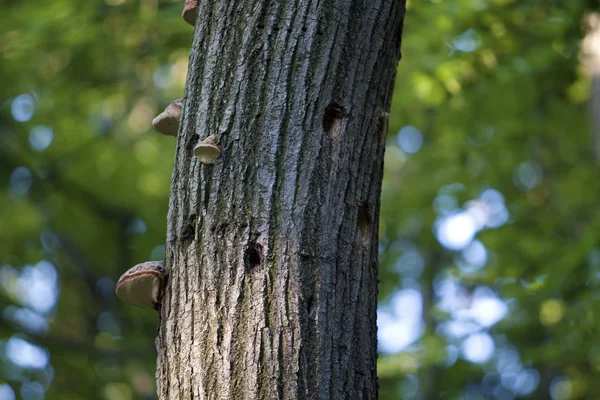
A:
x: 167, y: 122
x: 190, y: 11
x: 207, y: 150
x: 143, y: 285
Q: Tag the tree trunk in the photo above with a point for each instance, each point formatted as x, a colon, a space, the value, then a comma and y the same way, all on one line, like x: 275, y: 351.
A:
x: 272, y: 251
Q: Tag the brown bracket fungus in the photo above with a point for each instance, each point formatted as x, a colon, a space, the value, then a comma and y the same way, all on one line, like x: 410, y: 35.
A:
x: 207, y: 150
x: 190, y: 11
x: 167, y: 122
x: 143, y: 285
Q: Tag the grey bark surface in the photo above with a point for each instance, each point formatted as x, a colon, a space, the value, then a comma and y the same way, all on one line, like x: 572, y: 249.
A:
x: 273, y: 250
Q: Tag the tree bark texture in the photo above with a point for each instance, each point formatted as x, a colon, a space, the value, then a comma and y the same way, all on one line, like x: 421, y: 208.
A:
x: 273, y: 250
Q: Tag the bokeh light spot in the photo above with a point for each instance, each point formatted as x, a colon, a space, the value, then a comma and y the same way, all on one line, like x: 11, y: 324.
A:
x: 400, y: 324
x: 107, y: 323
x: 455, y: 231
x: 40, y: 137
x: 560, y: 388
x: 20, y: 181
x: 410, y: 263
x: 527, y: 175
x: 409, y: 139
x: 466, y: 42
x: 526, y: 382
x: 552, y: 311
x: 136, y: 226
x: 6, y: 392
x: 158, y: 252
x: 445, y: 204
x: 140, y: 118
x: 496, y: 212
x: 49, y: 240
x: 162, y: 77
x: 37, y: 286
x: 486, y: 308
x: 473, y: 257
x: 22, y: 107
x: 25, y: 354
x: 478, y: 348
x: 32, y: 390
x: 28, y: 319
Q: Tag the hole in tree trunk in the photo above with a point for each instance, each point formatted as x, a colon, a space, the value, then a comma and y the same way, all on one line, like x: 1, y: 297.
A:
x: 189, y: 232
x: 312, y: 309
x: 364, y: 223
x: 253, y: 256
x: 219, y: 335
x: 331, y: 119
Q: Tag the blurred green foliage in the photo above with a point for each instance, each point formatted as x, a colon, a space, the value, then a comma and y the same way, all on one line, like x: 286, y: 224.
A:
x: 490, y: 256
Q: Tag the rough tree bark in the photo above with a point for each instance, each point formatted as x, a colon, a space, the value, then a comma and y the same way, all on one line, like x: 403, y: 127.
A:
x: 273, y: 250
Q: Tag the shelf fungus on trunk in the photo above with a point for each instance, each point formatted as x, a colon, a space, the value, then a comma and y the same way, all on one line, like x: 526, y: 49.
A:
x: 167, y: 122
x: 190, y: 11
x: 143, y: 285
x: 207, y: 150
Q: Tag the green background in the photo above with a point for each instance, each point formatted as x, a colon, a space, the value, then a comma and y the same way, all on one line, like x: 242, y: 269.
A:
x: 490, y: 225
